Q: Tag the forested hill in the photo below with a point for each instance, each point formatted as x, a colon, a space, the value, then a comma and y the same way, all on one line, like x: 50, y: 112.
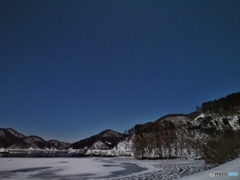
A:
x: 228, y: 104
x: 215, y: 127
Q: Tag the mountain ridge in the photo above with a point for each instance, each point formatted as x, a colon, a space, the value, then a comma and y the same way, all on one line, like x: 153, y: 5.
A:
x: 10, y: 138
x: 170, y: 136
x: 188, y: 135
x: 106, y: 139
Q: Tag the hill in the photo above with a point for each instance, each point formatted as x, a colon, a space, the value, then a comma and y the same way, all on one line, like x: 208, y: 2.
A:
x: 10, y: 138
x: 194, y: 135
x: 104, y: 140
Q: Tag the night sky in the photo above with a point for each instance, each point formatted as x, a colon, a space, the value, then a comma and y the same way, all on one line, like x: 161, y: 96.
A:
x: 70, y: 69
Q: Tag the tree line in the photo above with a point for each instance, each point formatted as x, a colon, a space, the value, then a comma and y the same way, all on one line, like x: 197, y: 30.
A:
x: 230, y: 103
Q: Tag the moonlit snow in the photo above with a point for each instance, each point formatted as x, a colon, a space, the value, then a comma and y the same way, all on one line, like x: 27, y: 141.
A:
x: 232, y: 166
x: 97, y: 168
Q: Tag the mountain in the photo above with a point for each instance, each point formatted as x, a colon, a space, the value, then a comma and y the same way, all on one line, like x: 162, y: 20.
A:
x: 10, y: 138
x: 104, y: 140
x: 36, y: 142
x: 191, y: 135
x: 55, y: 144
x: 15, y: 133
x: 212, y: 132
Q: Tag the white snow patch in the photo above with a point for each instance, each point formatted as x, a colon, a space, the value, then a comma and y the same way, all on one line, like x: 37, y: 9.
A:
x: 195, y: 122
x: 108, y: 142
x: 71, y: 166
x: 234, y: 122
x: 200, y: 116
x: 232, y: 166
x: 2, y: 149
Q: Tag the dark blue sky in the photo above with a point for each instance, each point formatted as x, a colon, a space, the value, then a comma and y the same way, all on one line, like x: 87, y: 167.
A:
x: 70, y: 69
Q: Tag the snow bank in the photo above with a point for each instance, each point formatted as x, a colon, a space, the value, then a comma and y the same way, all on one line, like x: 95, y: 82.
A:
x: 232, y: 166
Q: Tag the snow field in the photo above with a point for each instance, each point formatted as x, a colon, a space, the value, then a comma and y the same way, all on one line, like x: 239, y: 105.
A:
x: 121, y: 168
x: 232, y: 166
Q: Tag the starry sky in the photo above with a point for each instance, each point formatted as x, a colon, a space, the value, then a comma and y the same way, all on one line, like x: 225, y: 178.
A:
x: 70, y: 69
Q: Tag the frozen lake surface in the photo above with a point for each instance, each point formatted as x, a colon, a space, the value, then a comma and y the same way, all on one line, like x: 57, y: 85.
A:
x: 97, y: 168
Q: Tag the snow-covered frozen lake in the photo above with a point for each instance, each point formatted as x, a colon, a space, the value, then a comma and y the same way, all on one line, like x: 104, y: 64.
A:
x: 97, y: 168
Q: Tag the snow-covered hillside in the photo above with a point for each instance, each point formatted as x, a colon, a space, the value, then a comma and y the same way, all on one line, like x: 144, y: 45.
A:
x: 124, y: 148
x: 218, y: 121
x: 180, y: 135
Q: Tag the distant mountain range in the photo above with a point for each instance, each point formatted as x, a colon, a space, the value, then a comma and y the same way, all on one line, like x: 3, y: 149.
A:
x: 171, y: 136
x: 10, y: 138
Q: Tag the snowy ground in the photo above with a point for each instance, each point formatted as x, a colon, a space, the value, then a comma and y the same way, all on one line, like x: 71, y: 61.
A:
x: 232, y: 166
x: 99, y: 168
